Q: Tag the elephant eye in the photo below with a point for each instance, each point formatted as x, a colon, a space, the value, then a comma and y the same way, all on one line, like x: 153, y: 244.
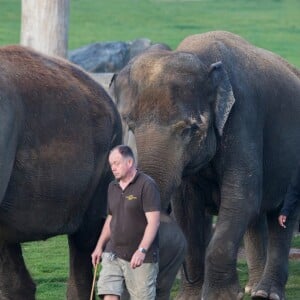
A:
x: 185, y: 131
x: 190, y: 130
x: 194, y: 127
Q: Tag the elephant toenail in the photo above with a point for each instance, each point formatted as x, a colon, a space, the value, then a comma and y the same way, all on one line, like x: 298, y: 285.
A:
x: 248, y: 289
x: 274, y: 296
x: 260, y: 293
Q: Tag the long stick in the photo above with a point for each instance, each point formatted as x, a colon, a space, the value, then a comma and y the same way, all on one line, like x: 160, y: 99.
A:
x: 93, y: 285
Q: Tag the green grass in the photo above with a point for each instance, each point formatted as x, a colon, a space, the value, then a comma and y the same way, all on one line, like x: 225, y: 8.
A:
x: 48, y: 264
x: 271, y: 24
x: 292, y: 287
x: 296, y: 242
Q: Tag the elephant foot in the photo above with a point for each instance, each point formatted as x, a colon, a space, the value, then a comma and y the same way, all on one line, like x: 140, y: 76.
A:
x: 267, y: 292
x: 264, y: 295
x: 184, y: 296
x: 224, y: 295
x: 250, y: 286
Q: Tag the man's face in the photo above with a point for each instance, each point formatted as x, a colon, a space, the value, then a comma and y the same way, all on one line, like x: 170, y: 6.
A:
x: 120, y: 166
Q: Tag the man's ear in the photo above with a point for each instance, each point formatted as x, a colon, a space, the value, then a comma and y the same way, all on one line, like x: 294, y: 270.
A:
x: 130, y: 161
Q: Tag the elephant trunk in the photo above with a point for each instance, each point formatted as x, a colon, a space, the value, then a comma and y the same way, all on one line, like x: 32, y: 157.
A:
x: 161, y: 159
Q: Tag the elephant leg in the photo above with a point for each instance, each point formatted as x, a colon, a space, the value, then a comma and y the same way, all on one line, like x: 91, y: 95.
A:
x: 81, y: 274
x: 189, y: 211
x: 255, y: 241
x: 274, y: 278
x: 240, y: 196
x: 15, y: 281
x: 172, y: 245
x: 220, y: 277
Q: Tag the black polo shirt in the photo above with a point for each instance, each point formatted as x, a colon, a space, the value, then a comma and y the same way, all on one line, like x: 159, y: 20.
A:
x: 127, y: 208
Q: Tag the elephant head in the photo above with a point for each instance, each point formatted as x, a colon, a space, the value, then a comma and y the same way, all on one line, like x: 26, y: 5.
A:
x: 176, y: 106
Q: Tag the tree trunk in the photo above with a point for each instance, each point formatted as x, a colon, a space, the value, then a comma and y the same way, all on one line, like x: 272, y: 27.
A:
x: 45, y: 25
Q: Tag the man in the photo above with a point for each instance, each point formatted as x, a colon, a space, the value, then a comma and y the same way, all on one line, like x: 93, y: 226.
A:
x: 128, y: 243
x: 291, y: 199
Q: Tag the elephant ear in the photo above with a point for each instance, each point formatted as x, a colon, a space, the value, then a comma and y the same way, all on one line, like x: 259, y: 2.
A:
x: 224, y: 100
x: 120, y: 91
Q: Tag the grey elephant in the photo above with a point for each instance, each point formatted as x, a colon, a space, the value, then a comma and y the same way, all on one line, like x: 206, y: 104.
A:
x: 216, y: 124
x: 57, y: 126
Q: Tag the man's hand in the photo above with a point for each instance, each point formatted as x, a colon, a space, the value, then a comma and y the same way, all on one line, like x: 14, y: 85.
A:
x: 103, y: 239
x: 96, y: 256
x: 282, y: 220
x: 137, y: 259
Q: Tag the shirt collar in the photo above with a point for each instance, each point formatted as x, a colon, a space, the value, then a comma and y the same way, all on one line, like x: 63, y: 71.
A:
x: 138, y: 172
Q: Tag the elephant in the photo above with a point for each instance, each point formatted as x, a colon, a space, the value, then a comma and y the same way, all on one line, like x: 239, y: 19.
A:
x: 216, y: 124
x: 57, y: 126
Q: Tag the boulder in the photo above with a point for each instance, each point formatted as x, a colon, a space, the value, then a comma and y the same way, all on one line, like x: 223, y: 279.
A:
x: 109, y: 57
x: 101, y: 57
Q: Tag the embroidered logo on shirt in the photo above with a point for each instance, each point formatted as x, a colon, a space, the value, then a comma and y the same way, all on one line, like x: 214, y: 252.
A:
x: 131, y: 197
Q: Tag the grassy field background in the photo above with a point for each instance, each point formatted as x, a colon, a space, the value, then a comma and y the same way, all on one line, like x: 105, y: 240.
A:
x: 270, y: 24
x: 48, y: 264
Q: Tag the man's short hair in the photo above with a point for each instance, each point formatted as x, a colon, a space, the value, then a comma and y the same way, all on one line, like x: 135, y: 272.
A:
x: 125, y: 151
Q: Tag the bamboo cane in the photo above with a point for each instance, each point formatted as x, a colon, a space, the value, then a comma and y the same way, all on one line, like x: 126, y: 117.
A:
x: 93, y: 285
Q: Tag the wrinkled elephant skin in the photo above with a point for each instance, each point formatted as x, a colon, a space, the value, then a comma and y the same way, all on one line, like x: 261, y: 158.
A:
x: 57, y: 128
x: 216, y: 124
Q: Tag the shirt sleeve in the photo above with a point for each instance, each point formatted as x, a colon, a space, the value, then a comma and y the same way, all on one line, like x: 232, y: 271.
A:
x: 292, y: 196
x: 151, y: 196
x: 108, y: 198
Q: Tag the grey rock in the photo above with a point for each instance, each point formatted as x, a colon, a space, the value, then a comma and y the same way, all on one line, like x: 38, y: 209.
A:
x: 101, y: 57
x: 109, y: 57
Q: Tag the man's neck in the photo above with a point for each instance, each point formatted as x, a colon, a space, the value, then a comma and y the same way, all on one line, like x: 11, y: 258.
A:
x: 129, y: 177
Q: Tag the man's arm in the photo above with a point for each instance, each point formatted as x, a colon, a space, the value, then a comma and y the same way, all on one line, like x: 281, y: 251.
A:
x: 153, y: 219
x: 291, y: 199
x: 103, y: 239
